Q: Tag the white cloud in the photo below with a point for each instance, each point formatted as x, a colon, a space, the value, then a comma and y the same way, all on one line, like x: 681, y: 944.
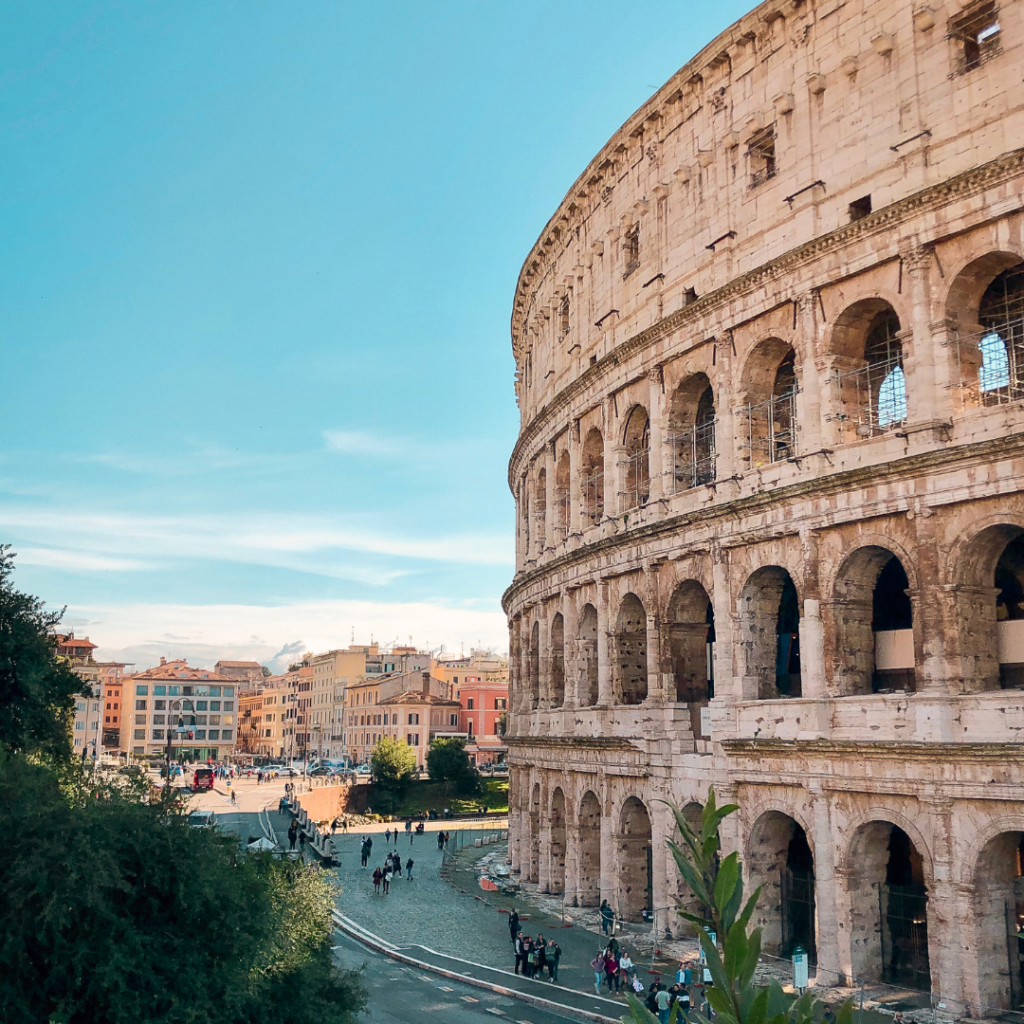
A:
x: 78, y: 561
x: 296, y: 541
x: 141, y: 633
x: 356, y: 442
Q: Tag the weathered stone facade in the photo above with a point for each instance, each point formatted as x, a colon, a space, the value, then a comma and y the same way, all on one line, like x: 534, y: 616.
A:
x: 770, y: 365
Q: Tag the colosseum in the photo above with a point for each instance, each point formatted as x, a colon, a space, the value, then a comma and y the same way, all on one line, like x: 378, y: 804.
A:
x: 770, y: 520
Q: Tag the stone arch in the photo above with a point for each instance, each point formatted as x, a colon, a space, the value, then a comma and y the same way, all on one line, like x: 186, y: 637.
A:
x: 691, y: 433
x: 630, y: 666
x: 592, y: 477
x: 533, y: 865
x: 635, y: 460
x: 888, y: 870
x: 557, y: 660
x: 533, y: 666
x: 590, y: 851
x: 969, y: 282
x: 987, y: 569
x: 690, y: 629
x: 867, y: 354
x: 557, y: 878
x: 562, y: 495
x: 873, y: 616
x: 587, y: 689
x: 768, y: 389
x: 999, y: 921
x: 780, y: 860
x: 769, y: 641
x: 635, y: 868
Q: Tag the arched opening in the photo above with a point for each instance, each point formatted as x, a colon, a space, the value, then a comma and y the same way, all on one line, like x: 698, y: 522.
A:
x: 533, y: 871
x: 691, y: 434
x: 540, y: 510
x: 534, y: 666
x: 691, y: 639
x: 557, y: 661
x: 868, y: 353
x: 888, y: 907
x: 562, y: 495
x: 590, y: 851
x: 769, y: 634
x: 779, y: 859
x: 770, y: 389
x: 525, y: 525
x: 557, y: 883
x: 999, y: 914
x: 587, y: 660
x: 630, y: 679
x: 874, y: 625
x: 987, y: 302
x: 636, y: 870
x: 592, y: 484
x: 634, y: 465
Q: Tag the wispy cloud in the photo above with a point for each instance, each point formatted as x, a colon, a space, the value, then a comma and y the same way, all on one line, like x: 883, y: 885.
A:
x: 79, y: 561
x: 357, y: 442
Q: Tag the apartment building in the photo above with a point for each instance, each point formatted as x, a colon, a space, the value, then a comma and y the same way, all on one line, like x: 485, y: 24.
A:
x: 332, y: 673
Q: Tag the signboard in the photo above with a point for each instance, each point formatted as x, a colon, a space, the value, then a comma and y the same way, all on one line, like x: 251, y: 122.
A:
x: 705, y: 721
x: 800, y: 968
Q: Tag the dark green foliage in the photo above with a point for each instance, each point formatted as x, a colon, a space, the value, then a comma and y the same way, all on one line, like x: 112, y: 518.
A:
x: 118, y: 911
x: 734, y: 996
x: 448, y: 762
x: 37, y: 689
x: 393, y: 764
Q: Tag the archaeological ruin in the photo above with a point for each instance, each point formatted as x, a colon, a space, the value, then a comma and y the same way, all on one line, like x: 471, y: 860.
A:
x: 770, y: 528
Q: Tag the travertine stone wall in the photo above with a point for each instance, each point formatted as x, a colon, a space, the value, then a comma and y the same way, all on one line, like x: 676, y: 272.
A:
x: 769, y: 491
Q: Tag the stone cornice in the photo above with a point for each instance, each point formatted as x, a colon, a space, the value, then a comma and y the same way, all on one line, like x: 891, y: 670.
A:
x: 819, y: 486
x: 934, y: 197
x: 572, y: 742
x: 867, y: 750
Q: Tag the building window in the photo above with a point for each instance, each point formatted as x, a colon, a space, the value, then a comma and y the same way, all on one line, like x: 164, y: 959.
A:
x: 215, y: 705
x: 500, y: 703
x: 80, y: 726
x: 860, y: 208
x: 139, y: 734
x: 469, y: 704
x: 563, y: 317
x: 453, y: 719
x: 214, y: 734
x: 412, y: 739
x: 631, y: 247
x: 200, y: 734
x: 975, y: 35
x: 158, y: 734
x: 140, y: 705
x: 141, y: 690
x: 761, y: 152
x: 414, y: 719
x: 225, y: 734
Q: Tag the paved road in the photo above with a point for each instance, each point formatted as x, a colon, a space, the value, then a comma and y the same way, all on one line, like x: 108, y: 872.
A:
x: 399, y: 994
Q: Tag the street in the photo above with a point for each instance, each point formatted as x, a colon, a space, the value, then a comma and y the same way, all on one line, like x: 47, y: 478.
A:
x: 401, y: 994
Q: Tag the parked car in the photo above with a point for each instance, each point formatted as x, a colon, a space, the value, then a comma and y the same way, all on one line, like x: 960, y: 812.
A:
x: 201, y: 819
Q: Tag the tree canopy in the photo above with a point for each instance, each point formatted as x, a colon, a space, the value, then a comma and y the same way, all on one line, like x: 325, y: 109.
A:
x: 393, y: 763
x: 448, y: 762
x: 117, y: 910
x: 37, y: 689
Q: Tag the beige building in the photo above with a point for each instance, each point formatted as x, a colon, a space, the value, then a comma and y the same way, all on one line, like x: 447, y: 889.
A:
x: 332, y: 673
x: 769, y: 489
x: 416, y: 717
x: 172, y: 694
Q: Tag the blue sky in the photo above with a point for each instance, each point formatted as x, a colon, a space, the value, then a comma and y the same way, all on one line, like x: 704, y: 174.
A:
x: 258, y: 266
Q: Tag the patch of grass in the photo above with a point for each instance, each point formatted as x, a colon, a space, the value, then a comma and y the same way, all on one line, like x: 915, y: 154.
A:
x: 422, y: 797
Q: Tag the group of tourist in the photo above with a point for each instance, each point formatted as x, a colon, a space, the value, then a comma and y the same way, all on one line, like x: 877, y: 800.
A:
x: 614, y: 967
x: 392, y: 866
x: 533, y: 955
x: 660, y: 1001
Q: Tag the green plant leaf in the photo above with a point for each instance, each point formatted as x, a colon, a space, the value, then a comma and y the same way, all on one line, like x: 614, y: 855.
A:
x: 728, y: 879
x: 638, y: 1012
x: 749, y: 966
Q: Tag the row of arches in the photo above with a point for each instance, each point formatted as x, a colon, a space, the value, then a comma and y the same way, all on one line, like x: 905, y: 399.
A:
x: 865, y: 393
x: 886, y: 875
x: 869, y: 618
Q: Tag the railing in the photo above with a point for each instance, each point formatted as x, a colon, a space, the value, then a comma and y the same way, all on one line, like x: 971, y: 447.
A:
x: 990, y: 365
x: 635, y: 470
x: 593, y: 497
x: 770, y: 431
x: 692, y: 457
x: 873, y: 398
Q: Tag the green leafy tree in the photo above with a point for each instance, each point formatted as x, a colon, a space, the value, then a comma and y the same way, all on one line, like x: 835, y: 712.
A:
x: 393, y: 764
x: 448, y: 762
x: 37, y: 688
x: 718, y: 886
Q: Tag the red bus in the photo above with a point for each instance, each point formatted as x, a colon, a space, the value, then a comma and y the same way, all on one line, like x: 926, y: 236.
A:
x: 203, y: 779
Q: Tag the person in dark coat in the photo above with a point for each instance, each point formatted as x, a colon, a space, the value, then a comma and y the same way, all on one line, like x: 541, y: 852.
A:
x: 513, y: 924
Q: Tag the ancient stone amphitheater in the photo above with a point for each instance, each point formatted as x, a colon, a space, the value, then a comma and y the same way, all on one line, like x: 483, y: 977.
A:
x: 770, y: 366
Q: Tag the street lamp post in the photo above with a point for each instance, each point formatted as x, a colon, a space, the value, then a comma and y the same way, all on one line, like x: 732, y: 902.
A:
x: 181, y: 727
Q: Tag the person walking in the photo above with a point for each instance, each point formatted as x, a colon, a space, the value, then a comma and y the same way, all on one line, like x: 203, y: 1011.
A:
x: 387, y: 836
x: 397, y: 861
x: 408, y: 870
x: 513, y: 924
x: 293, y: 833
x: 364, y: 853
x: 625, y: 970
x: 377, y: 876
x: 387, y: 879
x: 597, y: 966
x: 664, y: 1001
x: 440, y: 840
x: 611, y: 968
x: 551, y: 957
x: 607, y: 917
x: 232, y: 798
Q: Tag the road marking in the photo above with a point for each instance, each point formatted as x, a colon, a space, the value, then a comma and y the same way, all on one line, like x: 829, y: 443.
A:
x: 495, y: 1011
x: 470, y: 999
x: 426, y: 977
x: 446, y: 988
